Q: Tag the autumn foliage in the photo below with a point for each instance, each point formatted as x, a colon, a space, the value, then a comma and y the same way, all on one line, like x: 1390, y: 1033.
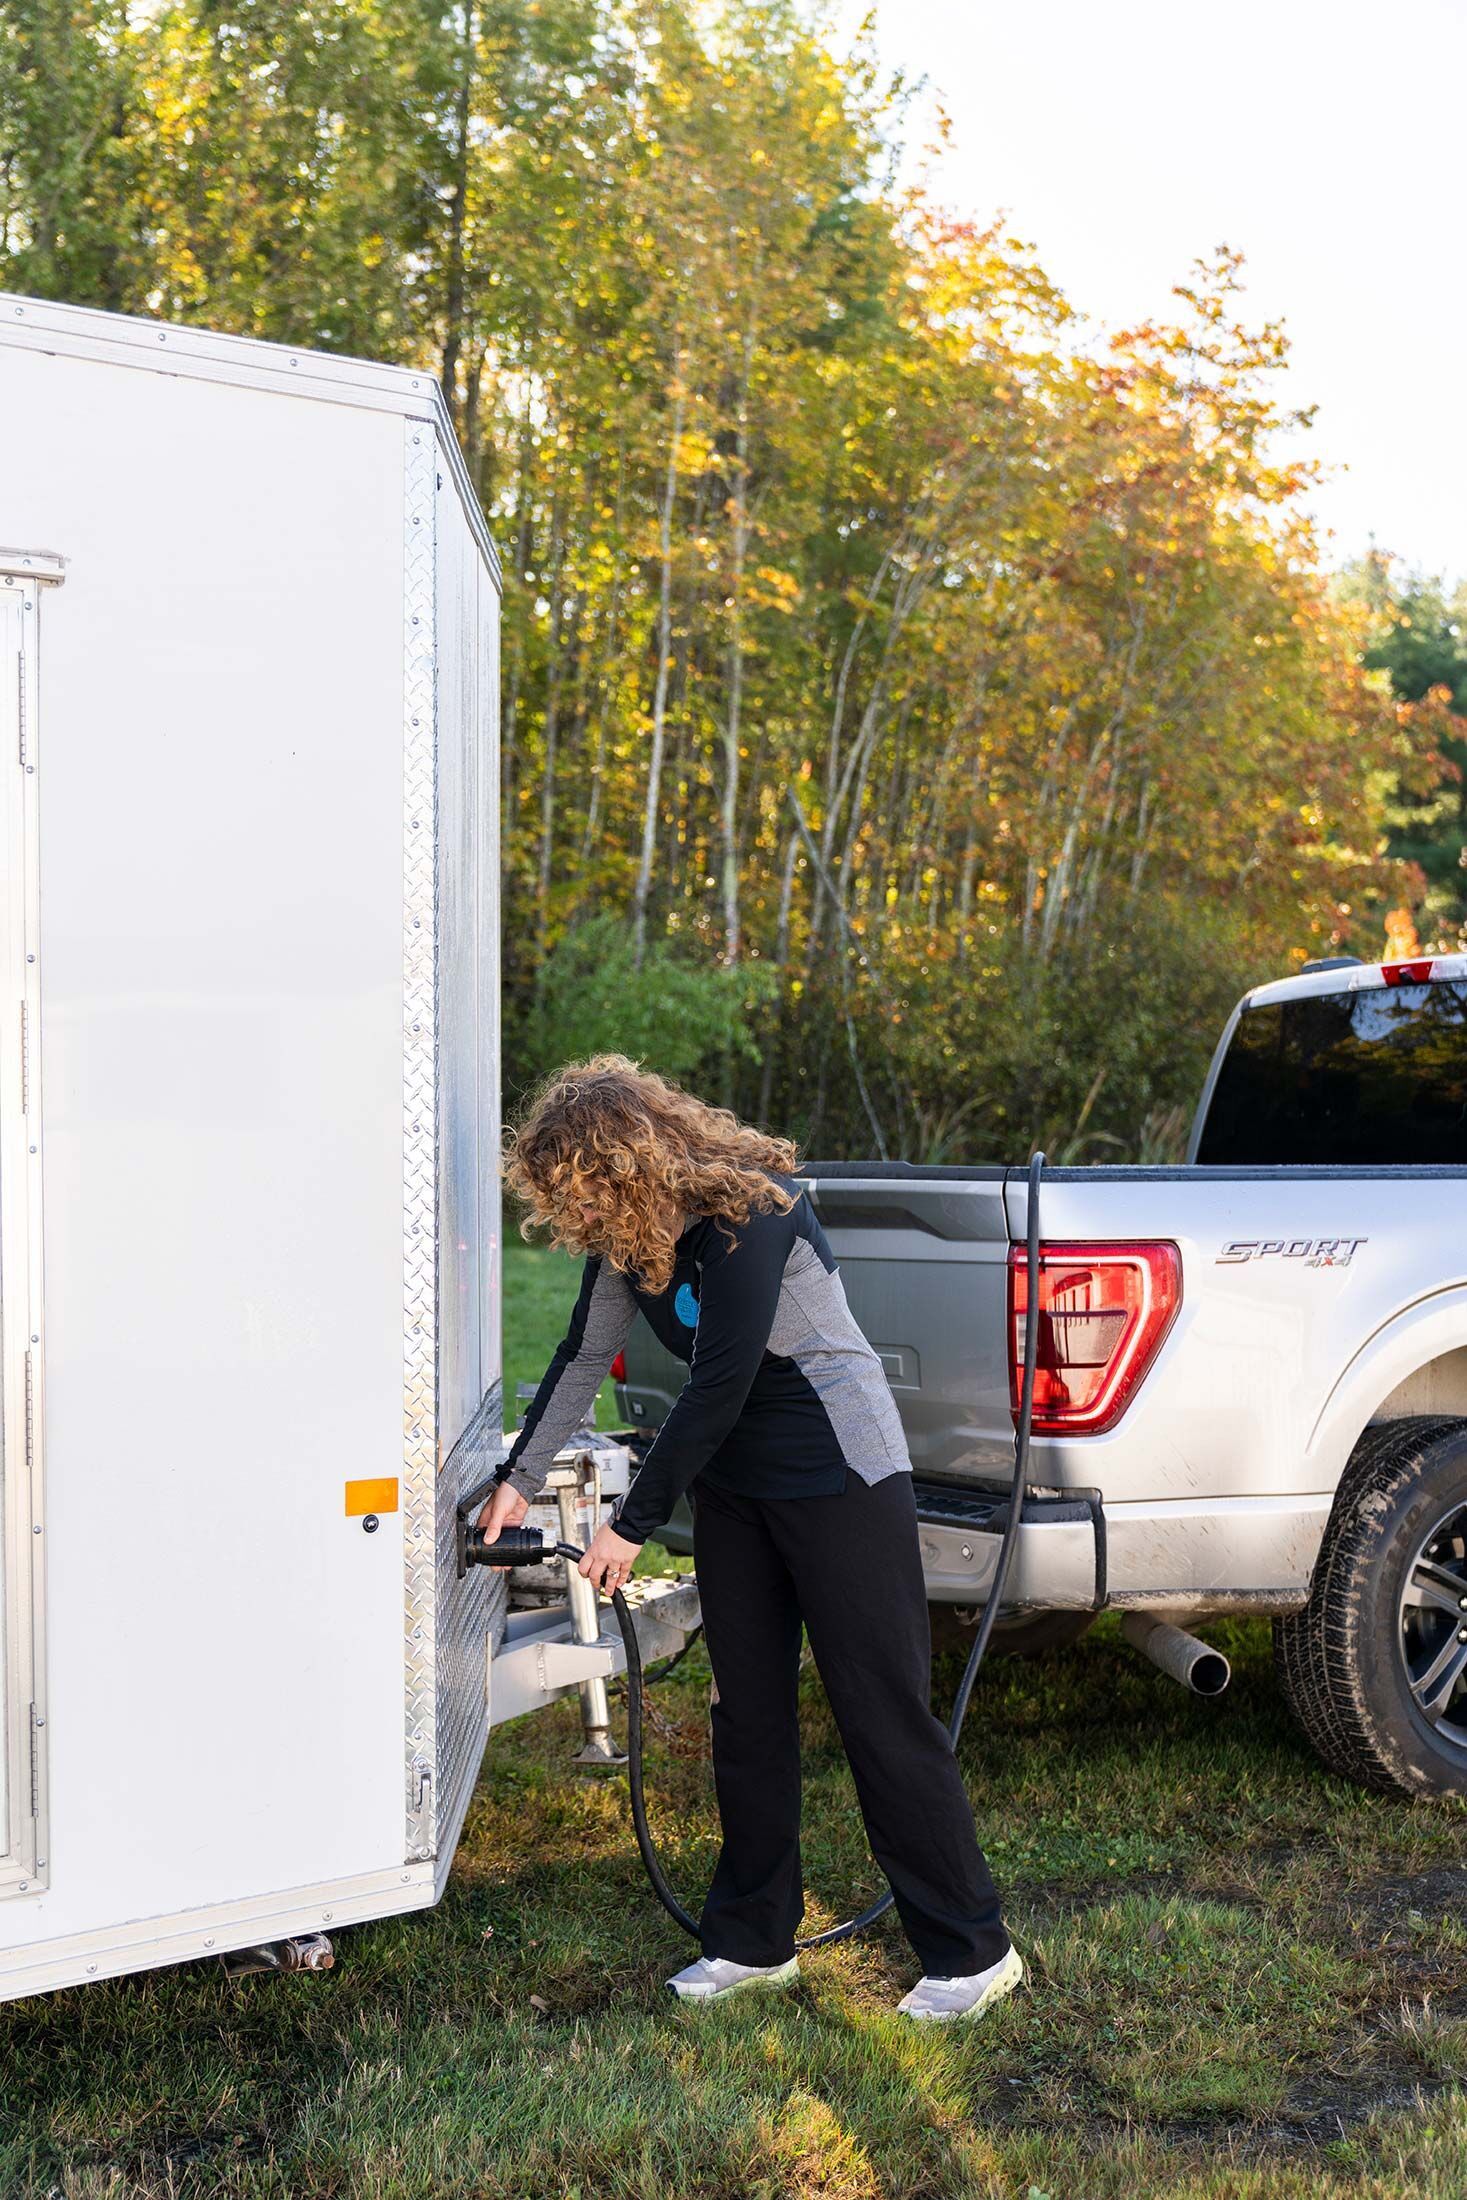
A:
x: 932, y: 711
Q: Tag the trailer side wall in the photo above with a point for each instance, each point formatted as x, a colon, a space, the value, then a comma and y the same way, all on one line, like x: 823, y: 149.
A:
x: 221, y: 846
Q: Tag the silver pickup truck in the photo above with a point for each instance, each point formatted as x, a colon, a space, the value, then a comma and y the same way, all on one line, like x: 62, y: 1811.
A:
x: 1252, y: 1370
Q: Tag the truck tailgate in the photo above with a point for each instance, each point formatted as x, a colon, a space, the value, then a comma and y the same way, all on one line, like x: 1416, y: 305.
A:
x: 924, y: 1258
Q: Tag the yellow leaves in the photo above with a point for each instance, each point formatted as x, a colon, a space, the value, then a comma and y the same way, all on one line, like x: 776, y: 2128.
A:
x: 1402, y: 942
x: 1105, y: 598
x: 781, y: 586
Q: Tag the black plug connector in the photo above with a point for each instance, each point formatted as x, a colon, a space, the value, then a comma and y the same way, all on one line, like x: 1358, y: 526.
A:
x: 514, y: 1547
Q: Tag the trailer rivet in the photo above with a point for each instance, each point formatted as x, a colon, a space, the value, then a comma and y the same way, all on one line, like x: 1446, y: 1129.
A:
x: 30, y: 958
x: 23, y: 1885
x: 35, y: 1531
x: 40, y: 1722
x: 371, y: 1523
x: 326, y: 1916
x: 967, y: 1550
x: 208, y: 1943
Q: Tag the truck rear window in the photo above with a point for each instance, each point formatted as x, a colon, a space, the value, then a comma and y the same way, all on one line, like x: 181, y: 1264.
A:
x: 1362, y: 1079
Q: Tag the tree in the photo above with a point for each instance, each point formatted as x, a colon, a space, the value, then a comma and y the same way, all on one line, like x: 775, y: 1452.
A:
x: 931, y: 714
x: 1414, y: 633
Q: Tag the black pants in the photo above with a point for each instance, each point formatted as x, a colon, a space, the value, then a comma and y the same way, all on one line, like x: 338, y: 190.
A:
x: 850, y: 1569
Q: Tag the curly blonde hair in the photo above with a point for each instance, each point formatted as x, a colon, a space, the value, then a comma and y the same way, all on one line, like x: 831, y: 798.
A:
x: 641, y: 1151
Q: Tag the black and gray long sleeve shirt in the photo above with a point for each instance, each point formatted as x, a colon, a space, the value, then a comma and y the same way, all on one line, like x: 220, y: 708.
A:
x: 783, y: 1397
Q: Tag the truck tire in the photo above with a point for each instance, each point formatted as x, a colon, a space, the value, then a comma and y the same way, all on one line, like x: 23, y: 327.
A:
x: 1375, y: 1666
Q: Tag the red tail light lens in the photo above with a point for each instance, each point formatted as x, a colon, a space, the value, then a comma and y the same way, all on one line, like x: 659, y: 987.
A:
x: 1103, y: 1312
x: 1407, y: 973
x: 619, y: 1368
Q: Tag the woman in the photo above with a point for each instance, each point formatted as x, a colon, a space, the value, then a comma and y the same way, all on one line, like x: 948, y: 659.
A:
x: 803, y: 1513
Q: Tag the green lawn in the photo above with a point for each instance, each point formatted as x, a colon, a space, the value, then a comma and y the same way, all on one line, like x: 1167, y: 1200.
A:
x: 540, y: 1289
x: 1249, y: 1983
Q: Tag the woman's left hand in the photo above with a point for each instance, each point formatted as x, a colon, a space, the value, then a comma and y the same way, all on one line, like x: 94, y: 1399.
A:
x: 609, y: 1562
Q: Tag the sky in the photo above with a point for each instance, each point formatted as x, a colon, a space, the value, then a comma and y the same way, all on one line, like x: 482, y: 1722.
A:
x: 1323, y: 141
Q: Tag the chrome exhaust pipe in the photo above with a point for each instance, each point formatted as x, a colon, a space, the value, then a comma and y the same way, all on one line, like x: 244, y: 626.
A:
x: 1177, y: 1654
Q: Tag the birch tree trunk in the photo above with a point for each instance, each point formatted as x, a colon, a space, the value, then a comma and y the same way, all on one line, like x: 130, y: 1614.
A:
x: 643, y: 889
x: 732, y: 729
x: 454, y: 287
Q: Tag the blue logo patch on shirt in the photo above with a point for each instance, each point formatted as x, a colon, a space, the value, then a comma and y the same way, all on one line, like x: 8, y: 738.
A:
x: 685, y: 1306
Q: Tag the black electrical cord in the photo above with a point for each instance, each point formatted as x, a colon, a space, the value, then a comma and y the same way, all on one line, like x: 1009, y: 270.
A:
x: 508, y: 1551
x: 670, y: 1665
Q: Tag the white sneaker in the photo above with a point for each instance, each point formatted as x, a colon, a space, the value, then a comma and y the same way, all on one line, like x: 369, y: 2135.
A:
x: 711, y: 1977
x: 940, y: 2000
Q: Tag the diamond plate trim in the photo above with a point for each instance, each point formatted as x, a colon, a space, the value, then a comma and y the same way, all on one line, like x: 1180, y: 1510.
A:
x: 420, y: 1126
x: 471, y: 1617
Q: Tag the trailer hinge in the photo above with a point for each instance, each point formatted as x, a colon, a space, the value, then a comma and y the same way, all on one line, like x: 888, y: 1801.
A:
x: 25, y: 1060
x: 30, y: 1410
x: 420, y: 1802
x: 20, y: 699
x: 36, y: 1724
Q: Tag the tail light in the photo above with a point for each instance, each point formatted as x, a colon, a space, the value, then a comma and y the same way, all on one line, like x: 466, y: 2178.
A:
x: 1408, y: 973
x: 1103, y: 1312
x: 619, y: 1368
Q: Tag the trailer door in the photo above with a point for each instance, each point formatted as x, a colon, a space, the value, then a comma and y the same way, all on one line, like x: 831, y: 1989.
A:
x: 22, y: 1756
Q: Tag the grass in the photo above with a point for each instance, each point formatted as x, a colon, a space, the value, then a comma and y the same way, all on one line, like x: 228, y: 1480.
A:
x: 540, y: 1290
x: 1249, y: 1982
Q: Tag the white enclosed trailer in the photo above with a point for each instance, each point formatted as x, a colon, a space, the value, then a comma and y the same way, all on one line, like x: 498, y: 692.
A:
x: 249, y: 1106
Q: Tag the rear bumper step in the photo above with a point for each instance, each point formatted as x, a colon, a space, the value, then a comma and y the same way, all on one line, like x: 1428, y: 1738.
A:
x: 988, y: 1510
x: 1060, y: 1562
x: 1160, y: 1554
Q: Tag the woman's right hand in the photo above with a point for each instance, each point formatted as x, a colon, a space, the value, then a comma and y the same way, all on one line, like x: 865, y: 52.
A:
x: 505, y: 1509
